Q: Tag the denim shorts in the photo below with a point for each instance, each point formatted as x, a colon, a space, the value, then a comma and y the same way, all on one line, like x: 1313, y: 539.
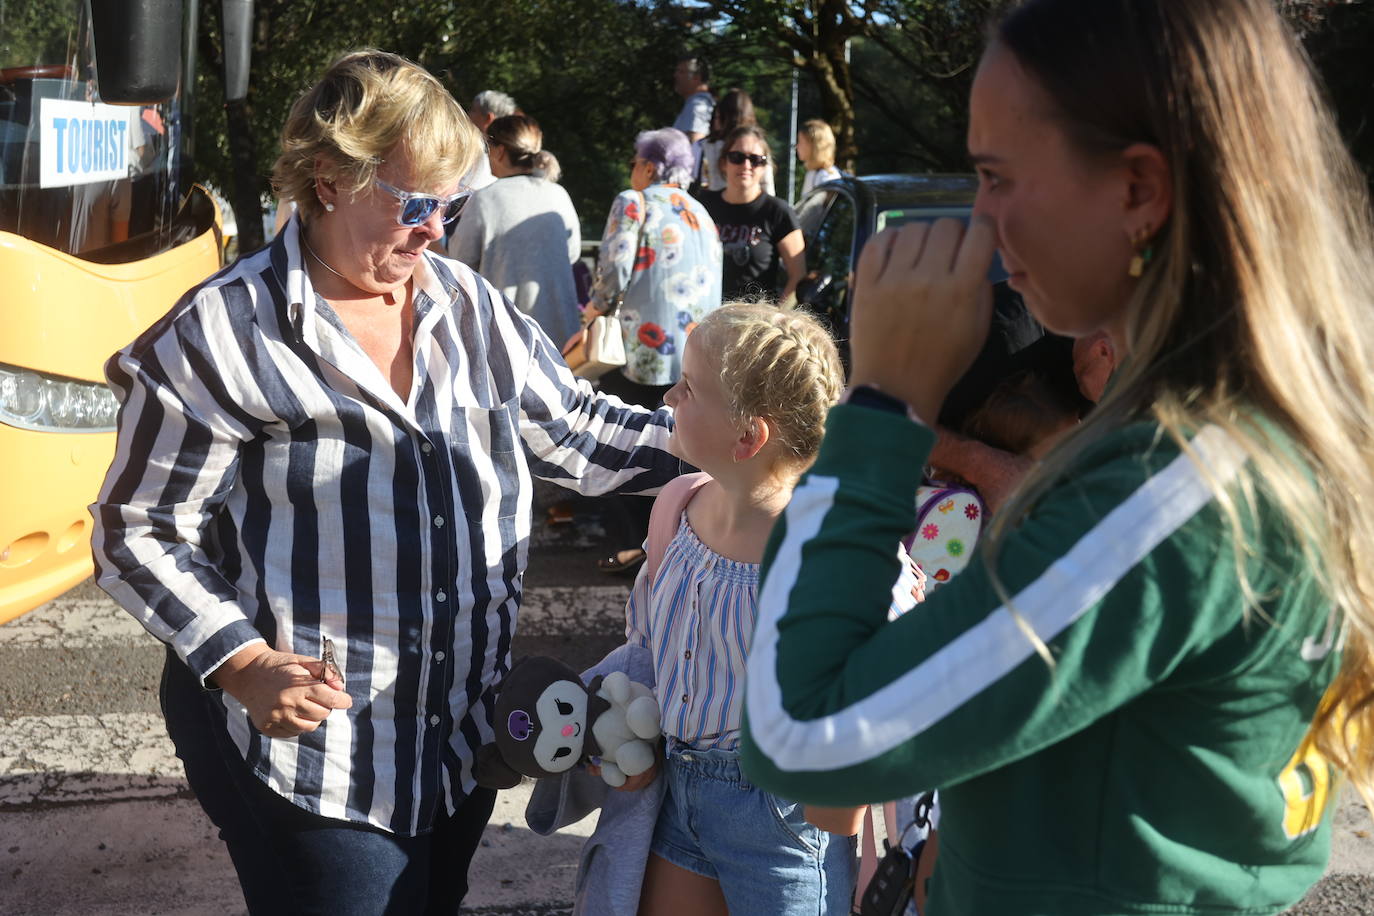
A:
x: 767, y: 858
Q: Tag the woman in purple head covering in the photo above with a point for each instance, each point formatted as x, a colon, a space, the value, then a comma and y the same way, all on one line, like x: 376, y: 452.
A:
x: 660, y: 262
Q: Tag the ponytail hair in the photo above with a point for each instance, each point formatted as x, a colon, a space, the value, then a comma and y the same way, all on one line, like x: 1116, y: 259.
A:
x: 521, y: 137
x: 822, y: 143
x: 546, y: 166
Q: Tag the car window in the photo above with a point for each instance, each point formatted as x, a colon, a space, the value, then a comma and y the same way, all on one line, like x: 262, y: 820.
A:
x: 810, y: 211
x: 829, y: 254
x: 887, y: 218
x: 77, y: 174
x: 828, y: 250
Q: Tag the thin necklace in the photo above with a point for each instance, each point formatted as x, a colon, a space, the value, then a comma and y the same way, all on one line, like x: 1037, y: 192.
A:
x: 389, y: 298
x: 325, y: 263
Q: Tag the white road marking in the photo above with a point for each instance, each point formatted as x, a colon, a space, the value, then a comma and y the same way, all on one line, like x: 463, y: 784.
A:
x: 86, y: 618
x: 82, y: 758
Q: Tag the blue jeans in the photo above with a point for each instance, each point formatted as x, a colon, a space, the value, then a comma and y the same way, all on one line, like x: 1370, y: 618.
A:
x: 292, y: 861
x: 767, y: 858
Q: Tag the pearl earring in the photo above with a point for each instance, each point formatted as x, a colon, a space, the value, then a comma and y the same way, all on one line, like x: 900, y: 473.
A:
x: 328, y: 207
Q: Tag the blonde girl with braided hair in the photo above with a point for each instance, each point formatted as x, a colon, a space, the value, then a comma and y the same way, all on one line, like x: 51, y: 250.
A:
x: 750, y: 408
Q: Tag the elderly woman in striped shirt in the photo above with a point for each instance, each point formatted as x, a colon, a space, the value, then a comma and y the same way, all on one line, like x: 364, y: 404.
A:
x: 320, y: 502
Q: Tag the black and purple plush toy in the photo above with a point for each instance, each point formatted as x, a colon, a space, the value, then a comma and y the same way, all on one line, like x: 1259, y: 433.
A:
x: 547, y: 721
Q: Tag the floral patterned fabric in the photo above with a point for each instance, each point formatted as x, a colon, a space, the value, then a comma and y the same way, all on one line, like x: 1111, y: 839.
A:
x: 662, y: 249
x: 949, y: 520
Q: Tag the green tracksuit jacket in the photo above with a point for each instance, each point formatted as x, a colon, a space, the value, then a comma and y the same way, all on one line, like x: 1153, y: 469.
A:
x: 1152, y: 770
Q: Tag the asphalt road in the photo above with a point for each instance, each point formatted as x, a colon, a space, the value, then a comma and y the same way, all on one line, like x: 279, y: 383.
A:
x: 95, y: 817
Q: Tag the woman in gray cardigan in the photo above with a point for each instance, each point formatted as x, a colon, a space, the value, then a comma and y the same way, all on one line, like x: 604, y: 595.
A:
x: 521, y: 232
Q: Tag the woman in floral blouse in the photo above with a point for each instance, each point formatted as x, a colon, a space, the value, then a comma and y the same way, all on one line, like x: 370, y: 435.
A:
x: 660, y: 257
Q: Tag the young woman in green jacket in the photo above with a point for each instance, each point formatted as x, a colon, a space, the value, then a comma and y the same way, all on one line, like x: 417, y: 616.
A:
x: 1136, y: 697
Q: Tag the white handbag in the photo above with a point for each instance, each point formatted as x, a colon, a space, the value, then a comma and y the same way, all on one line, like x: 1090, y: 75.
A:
x: 603, y: 348
x: 603, y: 345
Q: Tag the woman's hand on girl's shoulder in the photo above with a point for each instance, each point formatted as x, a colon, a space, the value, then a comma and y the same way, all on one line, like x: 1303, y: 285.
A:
x: 921, y: 308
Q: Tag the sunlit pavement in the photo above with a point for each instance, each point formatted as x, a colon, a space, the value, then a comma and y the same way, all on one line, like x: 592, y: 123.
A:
x: 95, y: 817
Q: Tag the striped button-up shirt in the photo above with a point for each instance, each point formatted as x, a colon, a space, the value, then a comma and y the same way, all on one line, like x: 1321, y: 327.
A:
x: 269, y: 484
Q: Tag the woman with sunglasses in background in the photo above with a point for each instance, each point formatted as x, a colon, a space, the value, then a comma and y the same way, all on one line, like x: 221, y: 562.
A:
x: 735, y: 109
x: 521, y: 232
x: 759, y: 233
x: 320, y: 499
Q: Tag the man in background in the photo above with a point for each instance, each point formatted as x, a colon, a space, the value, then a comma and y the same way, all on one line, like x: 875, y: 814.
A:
x: 486, y: 107
x: 692, y: 81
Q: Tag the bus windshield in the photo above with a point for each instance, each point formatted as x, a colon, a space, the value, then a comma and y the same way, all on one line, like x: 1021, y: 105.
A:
x: 86, y: 178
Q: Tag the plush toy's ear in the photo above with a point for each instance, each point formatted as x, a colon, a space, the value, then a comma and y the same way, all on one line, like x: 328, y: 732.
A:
x: 491, y: 771
x: 596, y: 705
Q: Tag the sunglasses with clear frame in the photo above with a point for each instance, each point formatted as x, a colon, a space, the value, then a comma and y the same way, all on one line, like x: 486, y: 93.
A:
x: 417, y: 208
x: 757, y: 160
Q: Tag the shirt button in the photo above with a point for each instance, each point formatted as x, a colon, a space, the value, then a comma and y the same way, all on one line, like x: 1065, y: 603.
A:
x: 433, y: 720
x: 439, y: 656
x: 684, y: 698
x: 687, y: 654
x: 441, y: 597
x: 426, y: 447
x: 438, y: 521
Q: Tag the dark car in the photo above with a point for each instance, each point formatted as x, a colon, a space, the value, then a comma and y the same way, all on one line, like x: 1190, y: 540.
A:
x: 837, y: 220
x: 839, y: 217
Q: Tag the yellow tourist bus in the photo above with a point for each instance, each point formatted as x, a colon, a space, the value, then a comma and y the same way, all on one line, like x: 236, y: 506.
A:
x: 101, y: 231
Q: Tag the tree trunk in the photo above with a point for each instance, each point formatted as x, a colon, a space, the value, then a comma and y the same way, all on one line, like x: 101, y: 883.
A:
x: 246, y: 200
x: 838, y: 106
x: 828, y: 63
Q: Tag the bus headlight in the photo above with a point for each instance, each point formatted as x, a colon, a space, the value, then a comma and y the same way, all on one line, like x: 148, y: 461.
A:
x: 50, y: 404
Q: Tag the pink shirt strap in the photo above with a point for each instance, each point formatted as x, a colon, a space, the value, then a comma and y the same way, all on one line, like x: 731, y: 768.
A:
x: 667, y: 513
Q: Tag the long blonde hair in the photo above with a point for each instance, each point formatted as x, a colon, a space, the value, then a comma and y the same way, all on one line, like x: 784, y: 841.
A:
x: 822, y: 143
x: 1255, y: 313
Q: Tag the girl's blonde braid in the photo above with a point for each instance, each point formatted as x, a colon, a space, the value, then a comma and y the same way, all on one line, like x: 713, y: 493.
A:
x: 780, y: 365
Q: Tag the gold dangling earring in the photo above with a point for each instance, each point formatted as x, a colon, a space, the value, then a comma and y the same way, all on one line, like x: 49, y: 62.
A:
x: 1143, y: 253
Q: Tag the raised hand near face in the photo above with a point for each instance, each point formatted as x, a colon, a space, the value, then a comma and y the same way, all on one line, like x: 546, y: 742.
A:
x: 922, y: 303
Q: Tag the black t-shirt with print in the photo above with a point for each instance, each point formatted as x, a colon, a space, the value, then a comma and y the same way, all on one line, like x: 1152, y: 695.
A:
x: 749, y: 236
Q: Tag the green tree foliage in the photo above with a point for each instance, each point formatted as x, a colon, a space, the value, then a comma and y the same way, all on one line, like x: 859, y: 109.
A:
x: 891, y: 76
x: 293, y: 41
x: 592, y: 72
x: 812, y: 36
x: 908, y: 63
x: 34, y: 32
x: 911, y: 64
x: 913, y: 69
